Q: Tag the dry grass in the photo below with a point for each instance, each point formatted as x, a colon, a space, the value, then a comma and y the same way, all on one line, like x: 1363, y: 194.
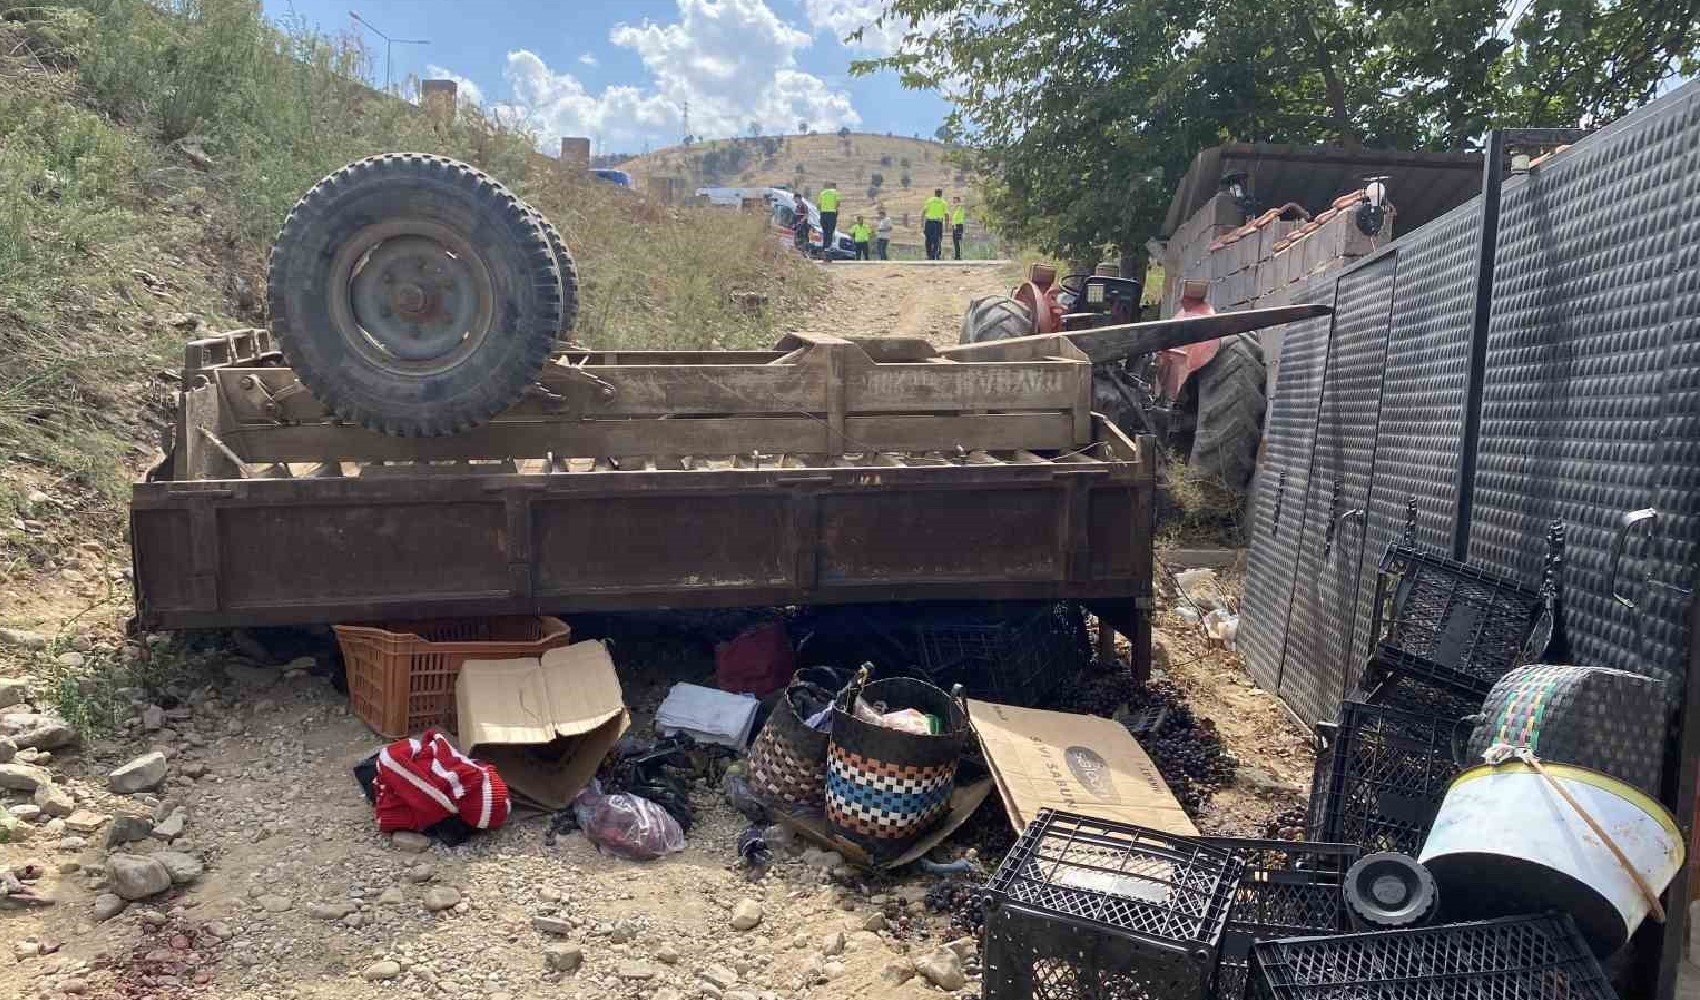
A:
x: 149, y: 149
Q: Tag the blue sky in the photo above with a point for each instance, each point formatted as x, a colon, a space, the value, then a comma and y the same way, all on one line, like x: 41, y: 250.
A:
x: 622, y: 71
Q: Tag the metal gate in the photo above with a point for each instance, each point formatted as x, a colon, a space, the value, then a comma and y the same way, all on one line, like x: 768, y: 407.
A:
x: 1590, y: 409
x: 1331, y: 550
x: 1278, y: 505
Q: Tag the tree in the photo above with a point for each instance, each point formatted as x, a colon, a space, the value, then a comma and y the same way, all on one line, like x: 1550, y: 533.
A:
x: 844, y: 132
x: 905, y: 180
x: 885, y: 161
x: 1083, y: 135
x: 755, y: 130
x: 942, y: 133
x: 877, y: 180
x: 802, y: 128
x: 904, y: 163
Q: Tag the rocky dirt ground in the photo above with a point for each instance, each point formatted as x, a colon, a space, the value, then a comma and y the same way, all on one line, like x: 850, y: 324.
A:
x: 218, y: 794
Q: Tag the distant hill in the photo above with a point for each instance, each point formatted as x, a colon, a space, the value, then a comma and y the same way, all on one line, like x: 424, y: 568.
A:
x: 850, y: 161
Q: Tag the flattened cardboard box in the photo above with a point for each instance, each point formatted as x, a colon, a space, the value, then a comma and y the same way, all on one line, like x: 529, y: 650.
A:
x: 545, y: 722
x: 1076, y: 763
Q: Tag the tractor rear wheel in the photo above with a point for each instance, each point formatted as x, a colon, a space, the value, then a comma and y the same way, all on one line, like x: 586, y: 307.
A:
x: 995, y: 317
x: 569, y: 275
x: 414, y: 295
x: 1227, y: 418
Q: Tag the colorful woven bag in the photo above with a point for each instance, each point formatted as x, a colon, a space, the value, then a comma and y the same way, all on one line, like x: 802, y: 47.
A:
x: 885, y: 788
x: 1606, y: 720
x: 787, y: 761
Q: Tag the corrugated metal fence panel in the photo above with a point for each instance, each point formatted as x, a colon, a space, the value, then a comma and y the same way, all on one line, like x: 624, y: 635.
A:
x: 1278, y: 503
x: 1676, y: 545
x: 1319, y: 632
x: 1422, y: 398
x: 1581, y: 334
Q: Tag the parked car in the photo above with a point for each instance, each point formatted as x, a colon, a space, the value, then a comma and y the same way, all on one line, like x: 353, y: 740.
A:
x: 618, y: 178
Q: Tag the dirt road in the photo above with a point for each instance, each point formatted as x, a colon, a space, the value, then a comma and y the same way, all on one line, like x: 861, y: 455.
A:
x: 904, y: 299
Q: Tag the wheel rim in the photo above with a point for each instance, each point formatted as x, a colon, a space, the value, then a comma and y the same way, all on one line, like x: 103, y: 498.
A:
x: 411, y: 296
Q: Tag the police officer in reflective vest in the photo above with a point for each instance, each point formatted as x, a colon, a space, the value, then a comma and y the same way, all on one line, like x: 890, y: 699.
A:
x: 861, y: 234
x: 933, y: 213
x: 958, y: 217
x: 828, y: 215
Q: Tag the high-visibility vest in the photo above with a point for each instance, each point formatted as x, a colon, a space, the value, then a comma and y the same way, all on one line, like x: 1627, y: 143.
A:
x: 959, y: 216
x: 829, y: 199
x: 935, y: 209
x: 860, y: 233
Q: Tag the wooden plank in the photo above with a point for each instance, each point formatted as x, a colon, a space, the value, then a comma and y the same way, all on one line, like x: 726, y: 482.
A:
x: 1024, y: 385
x: 698, y: 436
x: 828, y: 380
x: 201, y: 451
x: 682, y: 390
x: 837, y: 358
x: 672, y: 357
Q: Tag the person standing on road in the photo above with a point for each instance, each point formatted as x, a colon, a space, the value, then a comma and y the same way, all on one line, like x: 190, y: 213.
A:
x: 861, y: 235
x: 882, y: 236
x: 932, y: 223
x: 958, y: 218
x: 800, y: 223
x: 828, y: 214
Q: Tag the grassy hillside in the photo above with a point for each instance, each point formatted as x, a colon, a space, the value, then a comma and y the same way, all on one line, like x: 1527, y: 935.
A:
x: 850, y: 161
x: 148, y: 152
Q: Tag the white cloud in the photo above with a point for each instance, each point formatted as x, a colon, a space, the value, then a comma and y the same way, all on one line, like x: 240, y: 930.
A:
x: 466, y: 91
x: 843, y: 17
x: 732, y: 62
x: 589, y: 60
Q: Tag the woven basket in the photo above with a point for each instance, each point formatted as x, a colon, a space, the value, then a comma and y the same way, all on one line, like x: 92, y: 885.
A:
x: 787, y: 762
x: 886, y: 788
x: 1605, y: 720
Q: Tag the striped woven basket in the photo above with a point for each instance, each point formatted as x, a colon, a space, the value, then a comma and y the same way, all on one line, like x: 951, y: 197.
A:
x: 787, y: 761
x: 886, y: 788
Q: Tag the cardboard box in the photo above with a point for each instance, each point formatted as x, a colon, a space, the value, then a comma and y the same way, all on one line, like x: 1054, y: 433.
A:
x: 964, y: 799
x: 1078, y: 763
x: 545, y: 722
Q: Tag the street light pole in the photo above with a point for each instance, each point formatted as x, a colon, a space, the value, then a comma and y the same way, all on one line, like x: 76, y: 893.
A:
x: 389, y: 77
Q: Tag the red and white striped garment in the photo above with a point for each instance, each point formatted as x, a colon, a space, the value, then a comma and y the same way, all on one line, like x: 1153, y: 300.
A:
x: 423, y: 781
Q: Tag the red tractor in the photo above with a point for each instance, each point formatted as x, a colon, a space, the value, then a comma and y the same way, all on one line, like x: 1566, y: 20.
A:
x: 1203, y: 401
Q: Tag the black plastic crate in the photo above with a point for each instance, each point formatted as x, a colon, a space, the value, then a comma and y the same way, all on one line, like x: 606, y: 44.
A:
x: 1381, y: 776
x: 1514, y: 958
x: 1449, y: 623
x: 1288, y: 888
x: 1013, y: 652
x: 1084, y: 908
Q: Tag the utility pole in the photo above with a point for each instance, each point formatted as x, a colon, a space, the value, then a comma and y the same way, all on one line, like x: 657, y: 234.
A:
x: 389, y: 77
x: 687, y: 121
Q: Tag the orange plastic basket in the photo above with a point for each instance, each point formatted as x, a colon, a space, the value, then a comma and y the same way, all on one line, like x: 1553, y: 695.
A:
x: 401, y: 675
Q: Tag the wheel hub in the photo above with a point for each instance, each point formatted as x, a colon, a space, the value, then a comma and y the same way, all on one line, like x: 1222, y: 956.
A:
x: 415, y: 298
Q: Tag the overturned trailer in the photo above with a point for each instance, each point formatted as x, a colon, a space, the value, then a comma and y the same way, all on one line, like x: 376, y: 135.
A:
x: 823, y: 471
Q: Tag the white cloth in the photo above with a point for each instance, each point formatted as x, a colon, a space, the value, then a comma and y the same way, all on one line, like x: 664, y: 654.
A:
x: 707, y: 715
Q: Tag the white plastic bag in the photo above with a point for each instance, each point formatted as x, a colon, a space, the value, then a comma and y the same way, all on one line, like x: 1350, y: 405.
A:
x: 626, y: 825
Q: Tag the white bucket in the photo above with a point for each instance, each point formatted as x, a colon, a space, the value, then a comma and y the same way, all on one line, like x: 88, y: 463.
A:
x: 1505, y: 843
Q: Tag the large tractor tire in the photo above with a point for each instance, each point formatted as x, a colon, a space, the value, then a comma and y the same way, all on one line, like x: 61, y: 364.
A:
x: 995, y: 317
x: 1228, y: 419
x: 569, y: 276
x: 414, y: 295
